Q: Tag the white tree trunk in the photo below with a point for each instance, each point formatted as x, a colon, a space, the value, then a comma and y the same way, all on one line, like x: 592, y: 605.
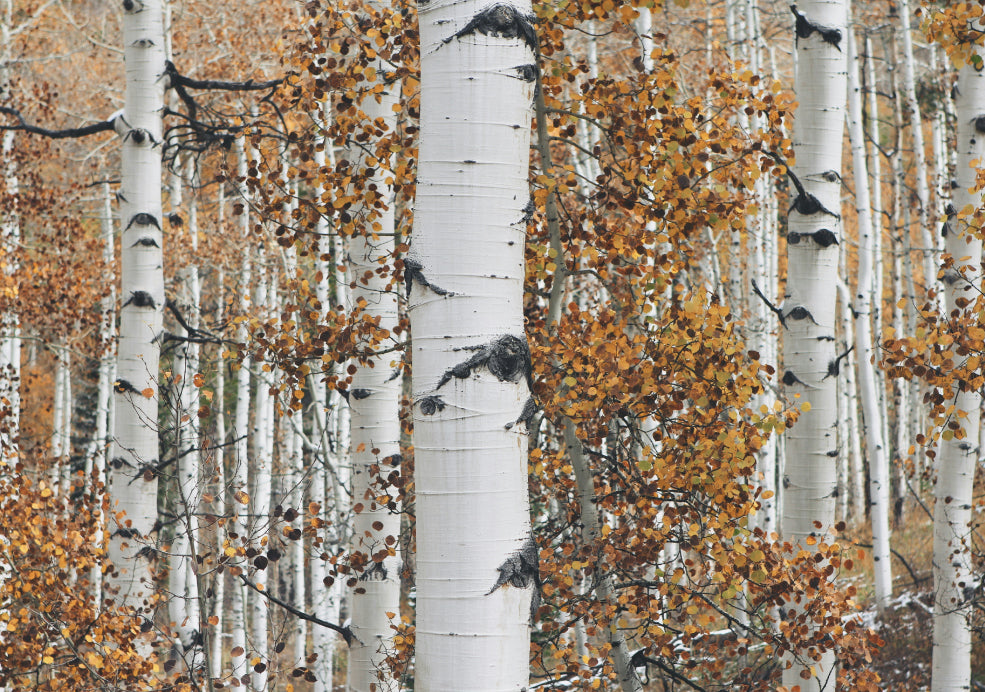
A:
x: 465, y: 280
x: 133, y: 493
x: 865, y: 353
x: 374, y: 419
x: 930, y: 259
x: 810, y: 301
x: 954, y: 582
x: 239, y: 482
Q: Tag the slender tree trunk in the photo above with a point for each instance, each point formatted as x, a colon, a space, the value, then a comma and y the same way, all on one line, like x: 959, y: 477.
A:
x: 930, y: 259
x: 374, y: 410
x: 810, y: 301
x: 239, y: 477
x: 865, y: 353
x: 955, y: 585
x: 133, y: 493
x: 476, y: 559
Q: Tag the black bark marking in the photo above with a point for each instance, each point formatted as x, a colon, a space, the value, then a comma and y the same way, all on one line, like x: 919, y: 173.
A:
x: 801, y: 313
x: 526, y: 414
x: 834, y: 367
x: 504, y: 21
x: 143, y: 219
x: 138, y: 135
x: 175, y: 220
x: 790, y: 379
x: 831, y: 454
x: 806, y: 27
x: 824, y: 237
x: 394, y: 459
x: 413, y: 272
x: 527, y: 73
x: 146, y: 242
x: 123, y: 386
x: 375, y: 573
x: 979, y: 122
x: 119, y: 462
x: 358, y: 394
x: 431, y: 405
x: 140, y: 299
x: 831, y: 176
x: 805, y: 203
x: 521, y: 570
x: 951, y: 277
x: 124, y: 532
x: 528, y: 213
x: 508, y: 358
x: 950, y: 213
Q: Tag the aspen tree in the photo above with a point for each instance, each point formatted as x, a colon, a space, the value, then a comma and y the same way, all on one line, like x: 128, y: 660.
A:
x: 865, y: 353
x: 374, y: 413
x: 477, y: 562
x: 133, y: 489
x: 955, y: 583
x: 813, y: 243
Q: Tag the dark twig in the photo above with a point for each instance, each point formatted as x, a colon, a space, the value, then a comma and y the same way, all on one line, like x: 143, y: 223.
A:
x: 95, y: 128
x: 344, y: 631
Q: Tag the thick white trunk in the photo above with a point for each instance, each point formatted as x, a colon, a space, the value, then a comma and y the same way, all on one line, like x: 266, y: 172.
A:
x: 133, y: 493
x: 865, y: 353
x: 476, y: 560
x: 954, y: 582
x: 810, y: 301
x: 374, y: 418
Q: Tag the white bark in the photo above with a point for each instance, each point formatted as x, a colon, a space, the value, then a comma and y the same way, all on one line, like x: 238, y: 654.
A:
x: 810, y: 301
x: 954, y: 582
x: 133, y: 494
x: 240, y: 432
x: 865, y: 353
x: 260, y: 468
x: 930, y: 258
x: 374, y: 417
x: 466, y: 306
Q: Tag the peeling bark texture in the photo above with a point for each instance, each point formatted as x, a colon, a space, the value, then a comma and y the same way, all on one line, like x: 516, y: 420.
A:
x: 810, y: 476
x: 133, y: 494
x: 954, y: 580
x: 470, y: 471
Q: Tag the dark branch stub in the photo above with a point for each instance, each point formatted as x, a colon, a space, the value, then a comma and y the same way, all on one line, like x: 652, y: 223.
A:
x: 801, y: 313
x: 143, y: 219
x: 508, y: 358
x: 414, y: 273
x: 805, y: 203
x: 375, y: 573
x: 528, y: 73
x: 431, y: 405
x: 123, y: 386
x: 790, y: 379
x: 521, y: 570
x: 824, y: 237
x: 805, y: 27
x: 358, y: 393
x: 501, y: 20
x: 526, y: 414
x: 950, y: 214
x: 834, y: 367
x: 141, y: 299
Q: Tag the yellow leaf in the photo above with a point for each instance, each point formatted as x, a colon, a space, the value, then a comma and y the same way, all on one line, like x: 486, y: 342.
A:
x: 805, y: 407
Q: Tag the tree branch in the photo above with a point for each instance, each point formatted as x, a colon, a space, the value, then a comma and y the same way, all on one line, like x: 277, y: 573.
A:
x: 69, y: 133
x: 344, y: 631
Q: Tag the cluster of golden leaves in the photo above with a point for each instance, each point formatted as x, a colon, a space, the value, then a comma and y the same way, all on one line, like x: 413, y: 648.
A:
x: 54, y: 637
